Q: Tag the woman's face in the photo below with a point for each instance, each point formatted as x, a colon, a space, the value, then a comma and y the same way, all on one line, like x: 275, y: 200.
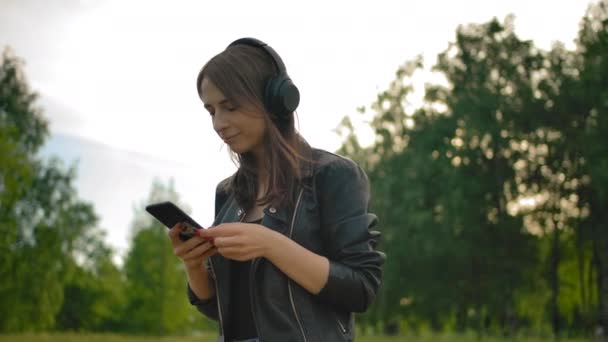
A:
x: 240, y: 128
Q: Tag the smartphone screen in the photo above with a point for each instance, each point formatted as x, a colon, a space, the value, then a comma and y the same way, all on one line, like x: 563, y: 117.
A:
x: 170, y: 215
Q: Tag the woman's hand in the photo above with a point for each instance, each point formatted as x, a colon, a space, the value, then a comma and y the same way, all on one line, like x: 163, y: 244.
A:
x: 240, y: 241
x: 194, y: 251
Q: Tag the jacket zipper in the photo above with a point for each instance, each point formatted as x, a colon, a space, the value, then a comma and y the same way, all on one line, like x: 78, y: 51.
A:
x: 251, y: 287
x: 217, y: 294
x: 251, y: 294
x: 293, y: 304
x: 217, y: 297
x: 341, y: 325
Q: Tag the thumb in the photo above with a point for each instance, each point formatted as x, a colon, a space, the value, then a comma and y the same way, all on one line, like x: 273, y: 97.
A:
x: 174, y: 232
x: 216, y: 231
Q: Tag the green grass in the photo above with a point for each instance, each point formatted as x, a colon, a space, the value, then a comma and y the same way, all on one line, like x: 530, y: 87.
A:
x: 74, y: 337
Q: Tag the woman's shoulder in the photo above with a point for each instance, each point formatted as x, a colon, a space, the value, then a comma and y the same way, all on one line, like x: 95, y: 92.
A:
x: 223, y: 187
x: 339, y: 177
x: 328, y: 162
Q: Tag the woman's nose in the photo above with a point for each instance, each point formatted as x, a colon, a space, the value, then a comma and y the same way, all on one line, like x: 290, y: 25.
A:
x: 219, y: 123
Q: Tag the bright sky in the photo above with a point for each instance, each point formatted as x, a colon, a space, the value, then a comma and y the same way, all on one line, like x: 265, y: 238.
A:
x: 122, y: 73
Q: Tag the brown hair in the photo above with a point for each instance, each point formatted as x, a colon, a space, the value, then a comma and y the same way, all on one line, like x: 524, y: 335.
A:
x: 240, y: 73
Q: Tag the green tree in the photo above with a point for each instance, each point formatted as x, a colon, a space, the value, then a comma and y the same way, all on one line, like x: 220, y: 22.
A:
x: 94, y: 294
x: 156, y: 281
x: 441, y: 176
x: 42, y: 222
x: 486, y: 193
x: 593, y: 141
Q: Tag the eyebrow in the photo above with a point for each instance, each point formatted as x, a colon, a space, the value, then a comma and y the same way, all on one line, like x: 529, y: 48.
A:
x: 224, y: 101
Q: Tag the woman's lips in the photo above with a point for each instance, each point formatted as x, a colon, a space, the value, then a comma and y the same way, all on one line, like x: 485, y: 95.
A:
x: 230, y: 138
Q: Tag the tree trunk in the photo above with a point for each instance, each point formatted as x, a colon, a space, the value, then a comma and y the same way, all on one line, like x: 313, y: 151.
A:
x: 600, y: 251
x: 580, y: 258
x: 554, y: 282
x: 601, y: 262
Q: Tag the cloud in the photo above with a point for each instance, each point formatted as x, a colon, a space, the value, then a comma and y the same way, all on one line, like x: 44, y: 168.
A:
x: 62, y: 118
x: 118, y: 181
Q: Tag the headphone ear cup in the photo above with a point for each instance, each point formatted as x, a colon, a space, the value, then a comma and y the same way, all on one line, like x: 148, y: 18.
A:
x: 281, y: 96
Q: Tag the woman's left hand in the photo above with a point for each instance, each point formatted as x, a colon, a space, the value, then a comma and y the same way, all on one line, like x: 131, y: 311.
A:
x: 240, y: 241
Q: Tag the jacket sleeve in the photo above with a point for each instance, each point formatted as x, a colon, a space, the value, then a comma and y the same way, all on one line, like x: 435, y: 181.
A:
x: 209, y: 306
x: 355, y: 267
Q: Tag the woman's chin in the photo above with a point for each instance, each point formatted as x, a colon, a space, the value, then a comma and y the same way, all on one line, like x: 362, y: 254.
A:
x: 243, y: 148
x: 238, y: 149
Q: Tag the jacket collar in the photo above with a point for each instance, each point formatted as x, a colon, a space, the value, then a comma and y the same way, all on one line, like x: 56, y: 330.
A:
x: 281, y: 213
x: 306, y: 163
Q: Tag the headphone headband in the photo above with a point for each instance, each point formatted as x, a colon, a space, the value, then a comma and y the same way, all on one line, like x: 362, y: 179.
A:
x: 276, y: 59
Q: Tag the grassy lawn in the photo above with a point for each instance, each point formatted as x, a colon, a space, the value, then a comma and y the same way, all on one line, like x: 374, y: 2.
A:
x: 73, y: 337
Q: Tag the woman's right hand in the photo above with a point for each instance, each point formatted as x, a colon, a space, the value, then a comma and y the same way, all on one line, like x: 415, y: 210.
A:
x: 194, y: 251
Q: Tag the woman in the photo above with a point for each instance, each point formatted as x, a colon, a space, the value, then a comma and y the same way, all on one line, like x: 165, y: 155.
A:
x: 290, y: 256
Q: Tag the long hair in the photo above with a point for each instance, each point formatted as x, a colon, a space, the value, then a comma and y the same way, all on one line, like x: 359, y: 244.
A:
x: 240, y: 73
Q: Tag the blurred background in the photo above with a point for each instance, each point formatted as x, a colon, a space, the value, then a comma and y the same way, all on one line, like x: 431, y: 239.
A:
x: 482, y: 125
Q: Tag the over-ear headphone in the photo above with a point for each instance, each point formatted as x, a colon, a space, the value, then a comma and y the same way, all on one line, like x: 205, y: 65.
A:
x: 281, y: 96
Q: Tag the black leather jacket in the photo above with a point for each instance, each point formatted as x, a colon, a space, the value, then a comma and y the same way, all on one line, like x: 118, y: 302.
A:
x: 331, y: 219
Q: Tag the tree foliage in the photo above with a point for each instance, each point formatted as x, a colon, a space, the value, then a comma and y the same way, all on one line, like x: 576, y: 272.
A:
x: 156, y: 280
x: 491, y: 192
x: 43, y: 223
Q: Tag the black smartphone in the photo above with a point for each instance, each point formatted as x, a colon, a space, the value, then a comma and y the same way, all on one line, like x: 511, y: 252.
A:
x: 169, y: 215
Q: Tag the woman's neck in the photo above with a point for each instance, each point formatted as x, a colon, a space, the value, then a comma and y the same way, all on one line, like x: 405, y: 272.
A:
x: 262, y: 184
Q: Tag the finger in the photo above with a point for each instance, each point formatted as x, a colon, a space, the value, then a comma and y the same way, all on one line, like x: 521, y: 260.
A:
x: 183, y: 247
x: 174, y: 232
x: 211, y: 251
x: 226, y: 229
x: 234, y: 253
x: 197, y: 251
x: 193, y: 242
x: 227, y: 241
x: 212, y: 232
